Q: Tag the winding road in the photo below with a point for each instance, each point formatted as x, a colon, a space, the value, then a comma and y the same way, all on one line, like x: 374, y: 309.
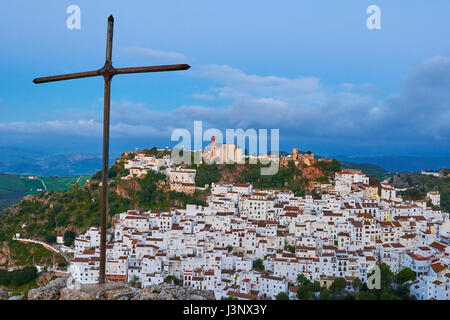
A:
x: 45, y: 245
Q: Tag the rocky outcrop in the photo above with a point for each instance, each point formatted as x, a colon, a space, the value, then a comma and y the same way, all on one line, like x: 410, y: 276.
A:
x: 64, y: 288
x: 166, y: 291
x: 127, y: 188
x: 51, y: 291
x: 312, y: 173
x: 5, y: 254
x: 3, y: 294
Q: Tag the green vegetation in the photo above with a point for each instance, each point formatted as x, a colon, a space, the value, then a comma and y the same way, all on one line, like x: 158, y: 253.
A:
x: 287, y: 177
x: 25, y: 254
x: 290, y: 248
x: 15, y: 187
x: 175, y: 280
x: 421, y: 184
x: 306, y: 288
x: 78, y: 208
x: 367, y: 168
x: 412, y: 194
x: 187, y: 198
x: 258, y: 265
x: 18, y: 277
x: 393, y: 287
x: 150, y: 196
x: 207, y: 174
x: 69, y: 238
x: 405, y: 275
x: 49, y: 212
x: 282, y: 296
x: 230, y: 298
x: 329, y: 168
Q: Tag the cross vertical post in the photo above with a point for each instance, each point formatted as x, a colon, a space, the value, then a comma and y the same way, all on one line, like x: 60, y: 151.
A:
x: 108, y: 71
x: 106, y: 117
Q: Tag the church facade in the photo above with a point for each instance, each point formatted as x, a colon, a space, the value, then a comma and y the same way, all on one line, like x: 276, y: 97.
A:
x: 222, y: 153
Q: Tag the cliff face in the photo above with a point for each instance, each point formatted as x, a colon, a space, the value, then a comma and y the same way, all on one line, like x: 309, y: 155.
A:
x: 127, y: 188
x: 64, y: 288
x: 5, y: 254
x: 312, y: 173
x: 231, y: 175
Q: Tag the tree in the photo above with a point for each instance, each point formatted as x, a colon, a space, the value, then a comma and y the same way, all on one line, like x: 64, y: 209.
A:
x: 357, y: 284
x: 174, y: 279
x: 207, y: 174
x: 229, y: 248
x: 147, y: 195
x: 388, y: 294
x: 134, y: 281
x: 386, y: 275
x: 304, y: 292
x: 338, y: 286
x: 282, y: 296
x: 290, y: 248
x: 68, y: 242
x: 258, y: 264
x: 50, y: 239
x: 405, y: 275
x: 412, y: 194
x: 302, y: 280
x: 324, y: 294
x: 367, y: 295
x: 70, y: 234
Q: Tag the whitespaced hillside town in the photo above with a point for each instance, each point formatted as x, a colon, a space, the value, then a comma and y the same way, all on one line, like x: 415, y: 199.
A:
x: 343, y: 233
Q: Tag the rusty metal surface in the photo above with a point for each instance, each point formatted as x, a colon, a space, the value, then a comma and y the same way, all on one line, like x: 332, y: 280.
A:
x: 108, y: 71
x: 172, y: 67
x: 68, y: 76
x: 104, y: 192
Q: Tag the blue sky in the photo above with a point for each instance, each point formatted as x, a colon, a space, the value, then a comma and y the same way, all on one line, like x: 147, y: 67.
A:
x: 310, y: 68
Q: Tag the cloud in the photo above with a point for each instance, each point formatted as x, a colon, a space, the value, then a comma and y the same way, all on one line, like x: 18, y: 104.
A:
x: 156, y: 54
x: 235, y: 83
x: 300, y: 107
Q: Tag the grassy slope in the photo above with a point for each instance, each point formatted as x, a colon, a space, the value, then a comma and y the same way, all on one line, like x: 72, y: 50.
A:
x: 15, y: 187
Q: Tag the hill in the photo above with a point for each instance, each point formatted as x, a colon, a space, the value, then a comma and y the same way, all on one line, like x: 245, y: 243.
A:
x: 42, y: 216
x: 402, y: 164
x: 423, y: 184
x: 31, y: 162
x: 15, y: 187
x: 367, y: 168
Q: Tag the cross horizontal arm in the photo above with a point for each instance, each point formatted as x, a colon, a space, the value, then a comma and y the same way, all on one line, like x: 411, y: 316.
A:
x: 172, y: 67
x: 68, y: 76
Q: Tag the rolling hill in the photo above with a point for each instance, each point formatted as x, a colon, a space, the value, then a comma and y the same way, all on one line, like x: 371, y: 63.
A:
x: 14, y: 187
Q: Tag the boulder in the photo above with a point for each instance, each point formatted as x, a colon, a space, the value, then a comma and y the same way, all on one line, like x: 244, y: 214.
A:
x: 51, y: 291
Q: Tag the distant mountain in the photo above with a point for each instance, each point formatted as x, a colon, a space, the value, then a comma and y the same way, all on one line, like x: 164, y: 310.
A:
x: 367, y: 168
x: 23, y: 161
x: 401, y: 164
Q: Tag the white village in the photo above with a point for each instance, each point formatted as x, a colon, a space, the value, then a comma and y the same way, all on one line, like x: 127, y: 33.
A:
x: 345, y: 233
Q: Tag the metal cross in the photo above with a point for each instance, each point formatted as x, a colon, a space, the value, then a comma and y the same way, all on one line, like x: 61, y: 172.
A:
x: 108, y: 71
